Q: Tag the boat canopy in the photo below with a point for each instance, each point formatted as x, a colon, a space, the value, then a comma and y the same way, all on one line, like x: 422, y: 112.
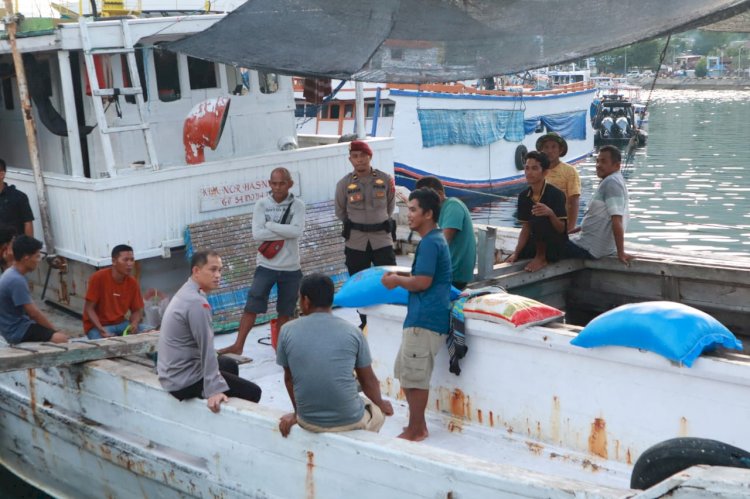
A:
x: 422, y: 41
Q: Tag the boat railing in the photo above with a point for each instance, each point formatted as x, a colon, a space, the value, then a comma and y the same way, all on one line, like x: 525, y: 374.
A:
x: 460, y: 88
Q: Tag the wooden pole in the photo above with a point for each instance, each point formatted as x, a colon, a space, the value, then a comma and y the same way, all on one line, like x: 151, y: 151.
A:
x: 30, y: 126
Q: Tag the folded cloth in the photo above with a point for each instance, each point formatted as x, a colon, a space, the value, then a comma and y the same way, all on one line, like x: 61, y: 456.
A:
x: 456, y: 339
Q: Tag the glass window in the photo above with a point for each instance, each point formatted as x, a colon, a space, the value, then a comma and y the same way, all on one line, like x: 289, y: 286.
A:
x: 141, y: 74
x: 299, y: 110
x: 334, y: 111
x: 238, y: 80
x: 369, y: 110
x: 348, y: 110
x: 388, y: 110
x: 202, y: 73
x: 269, y: 82
x: 167, y: 74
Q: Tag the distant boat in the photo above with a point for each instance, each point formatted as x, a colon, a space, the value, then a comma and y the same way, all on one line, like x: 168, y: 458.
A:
x: 615, y: 122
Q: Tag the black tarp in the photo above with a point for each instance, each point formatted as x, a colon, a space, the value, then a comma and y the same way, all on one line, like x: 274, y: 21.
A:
x: 437, y: 40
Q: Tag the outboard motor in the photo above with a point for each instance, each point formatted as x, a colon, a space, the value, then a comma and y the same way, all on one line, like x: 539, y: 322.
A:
x: 622, y: 124
x: 607, y: 125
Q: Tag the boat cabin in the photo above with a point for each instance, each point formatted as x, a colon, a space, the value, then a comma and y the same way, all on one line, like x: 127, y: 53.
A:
x: 136, y: 142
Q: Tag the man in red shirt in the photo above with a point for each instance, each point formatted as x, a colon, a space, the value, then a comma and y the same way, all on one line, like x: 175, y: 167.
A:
x: 111, y: 293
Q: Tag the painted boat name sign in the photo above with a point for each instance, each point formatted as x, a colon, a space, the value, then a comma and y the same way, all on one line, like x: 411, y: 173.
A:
x: 223, y: 196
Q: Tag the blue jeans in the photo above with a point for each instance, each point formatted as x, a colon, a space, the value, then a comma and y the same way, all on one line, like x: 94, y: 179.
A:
x: 115, y: 329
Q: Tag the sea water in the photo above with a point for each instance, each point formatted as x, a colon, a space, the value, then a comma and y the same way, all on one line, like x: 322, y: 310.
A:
x: 689, y: 187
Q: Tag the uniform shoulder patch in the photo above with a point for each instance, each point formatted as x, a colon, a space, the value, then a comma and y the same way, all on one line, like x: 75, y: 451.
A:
x: 352, y: 186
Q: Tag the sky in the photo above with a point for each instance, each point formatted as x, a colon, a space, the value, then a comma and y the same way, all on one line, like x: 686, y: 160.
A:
x: 35, y: 8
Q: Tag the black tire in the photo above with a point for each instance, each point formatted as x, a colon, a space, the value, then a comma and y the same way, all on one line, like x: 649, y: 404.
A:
x: 520, y: 156
x: 663, y: 460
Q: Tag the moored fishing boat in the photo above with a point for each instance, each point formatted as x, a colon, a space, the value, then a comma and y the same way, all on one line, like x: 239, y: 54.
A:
x: 472, y: 138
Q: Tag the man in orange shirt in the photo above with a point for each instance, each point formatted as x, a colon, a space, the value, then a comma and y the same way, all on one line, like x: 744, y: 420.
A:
x: 111, y: 293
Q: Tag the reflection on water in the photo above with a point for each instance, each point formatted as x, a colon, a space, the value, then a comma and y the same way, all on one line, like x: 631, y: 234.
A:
x: 688, y: 188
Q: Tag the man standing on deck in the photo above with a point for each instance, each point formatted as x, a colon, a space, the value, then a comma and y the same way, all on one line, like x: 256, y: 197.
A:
x: 560, y: 174
x: 428, y: 312
x: 111, y: 293
x: 458, y: 229
x: 20, y: 319
x: 365, y: 200
x: 279, y: 218
x: 324, y: 394
x: 602, y: 231
x: 14, y: 206
x: 187, y: 364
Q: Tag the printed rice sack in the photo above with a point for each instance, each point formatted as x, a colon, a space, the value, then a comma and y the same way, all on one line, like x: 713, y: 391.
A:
x: 505, y: 308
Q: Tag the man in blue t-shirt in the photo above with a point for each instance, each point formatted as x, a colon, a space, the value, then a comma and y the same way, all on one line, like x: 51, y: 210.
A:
x: 20, y: 319
x: 428, y: 313
x: 318, y: 352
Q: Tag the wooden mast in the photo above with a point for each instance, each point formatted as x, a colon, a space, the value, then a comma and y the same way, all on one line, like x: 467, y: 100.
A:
x: 11, y: 26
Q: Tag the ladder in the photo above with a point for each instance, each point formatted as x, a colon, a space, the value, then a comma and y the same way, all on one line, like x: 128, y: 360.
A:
x: 98, y: 93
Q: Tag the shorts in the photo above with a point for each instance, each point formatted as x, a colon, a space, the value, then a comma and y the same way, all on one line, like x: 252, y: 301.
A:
x: 37, y: 333
x: 287, y: 284
x: 416, y: 357
x: 372, y: 420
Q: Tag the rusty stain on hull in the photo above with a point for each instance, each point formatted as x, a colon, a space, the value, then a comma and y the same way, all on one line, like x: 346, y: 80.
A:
x: 554, y: 420
x: 455, y: 425
x: 460, y: 405
x: 598, y: 438
x: 492, y: 420
x: 628, y: 457
x: 479, y: 416
x: 684, y: 429
x: 535, y: 448
x: 309, y: 477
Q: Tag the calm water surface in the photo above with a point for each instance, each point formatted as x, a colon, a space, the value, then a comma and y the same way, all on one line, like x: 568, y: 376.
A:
x: 689, y: 188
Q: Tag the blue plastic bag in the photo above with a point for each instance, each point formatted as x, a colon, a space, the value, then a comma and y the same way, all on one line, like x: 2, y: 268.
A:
x: 676, y: 331
x: 364, y: 289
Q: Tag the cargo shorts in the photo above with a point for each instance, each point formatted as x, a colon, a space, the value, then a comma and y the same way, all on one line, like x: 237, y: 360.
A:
x: 416, y: 357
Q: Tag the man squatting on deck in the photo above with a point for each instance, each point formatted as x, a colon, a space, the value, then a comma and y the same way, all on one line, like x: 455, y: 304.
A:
x: 602, y: 230
x: 541, y: 209
x: 279, y: 218
x: 110, y: 294
x: 318, y: 353
x: 20, y: 319
x: 365, y: 200
x: 187, y: 364
x: 428, y: 310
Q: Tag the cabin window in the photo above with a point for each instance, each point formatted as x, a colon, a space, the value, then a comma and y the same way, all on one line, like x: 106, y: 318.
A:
x: 8, y: 94
x: 388, y: 110
x: 334, y: 111
x: 202, y: 73
x: 238, y: 80
x: 167, y: 74
x: 348, y: 110
x: 397, y: 54
x: 269, y: 82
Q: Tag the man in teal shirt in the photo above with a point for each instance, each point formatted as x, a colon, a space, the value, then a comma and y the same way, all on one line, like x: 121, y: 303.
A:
x: 458, y: 229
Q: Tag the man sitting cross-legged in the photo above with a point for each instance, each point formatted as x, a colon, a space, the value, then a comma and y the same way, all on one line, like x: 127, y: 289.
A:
x: 318, y: 353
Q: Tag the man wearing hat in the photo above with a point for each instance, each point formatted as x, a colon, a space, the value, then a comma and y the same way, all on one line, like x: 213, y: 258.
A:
x: 560, y: 174
x: 365, y: 200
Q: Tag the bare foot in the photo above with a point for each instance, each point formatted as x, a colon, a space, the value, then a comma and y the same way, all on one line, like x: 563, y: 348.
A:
x: 414, y: 436
x: 535, y: 265
x: 235, y: 349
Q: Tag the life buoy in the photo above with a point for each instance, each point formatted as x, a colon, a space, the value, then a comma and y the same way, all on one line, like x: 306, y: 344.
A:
x: 103, y: 70
x: 520, y: 156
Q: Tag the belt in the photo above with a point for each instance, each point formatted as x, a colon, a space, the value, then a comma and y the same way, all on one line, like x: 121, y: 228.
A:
x: 382, y: 226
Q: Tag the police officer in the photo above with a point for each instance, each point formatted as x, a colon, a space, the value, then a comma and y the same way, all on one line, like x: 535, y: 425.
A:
x: 365, y: 200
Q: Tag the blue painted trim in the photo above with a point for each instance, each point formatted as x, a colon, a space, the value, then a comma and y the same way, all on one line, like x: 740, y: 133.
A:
x: 510, y: 98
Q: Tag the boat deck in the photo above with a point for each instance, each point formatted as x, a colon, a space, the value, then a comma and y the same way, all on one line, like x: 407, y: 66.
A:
x: 497, y: 446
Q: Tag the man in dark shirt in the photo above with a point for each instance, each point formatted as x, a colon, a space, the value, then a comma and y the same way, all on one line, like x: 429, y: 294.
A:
x: 14, y: 206
x: 541, y: 208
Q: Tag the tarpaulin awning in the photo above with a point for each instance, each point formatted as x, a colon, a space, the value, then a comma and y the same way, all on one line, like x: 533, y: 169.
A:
x: 421, y: 41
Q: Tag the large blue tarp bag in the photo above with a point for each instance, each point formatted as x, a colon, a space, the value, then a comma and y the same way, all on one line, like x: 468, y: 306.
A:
x: 364, y: 289
x: 676, y: 331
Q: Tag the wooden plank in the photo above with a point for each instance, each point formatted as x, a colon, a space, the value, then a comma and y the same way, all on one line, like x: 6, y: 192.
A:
x: 34, y: 355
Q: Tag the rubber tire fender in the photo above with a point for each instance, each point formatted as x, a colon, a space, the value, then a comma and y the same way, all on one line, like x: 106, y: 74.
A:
x: 520, y: 156
x: 664, y: 459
